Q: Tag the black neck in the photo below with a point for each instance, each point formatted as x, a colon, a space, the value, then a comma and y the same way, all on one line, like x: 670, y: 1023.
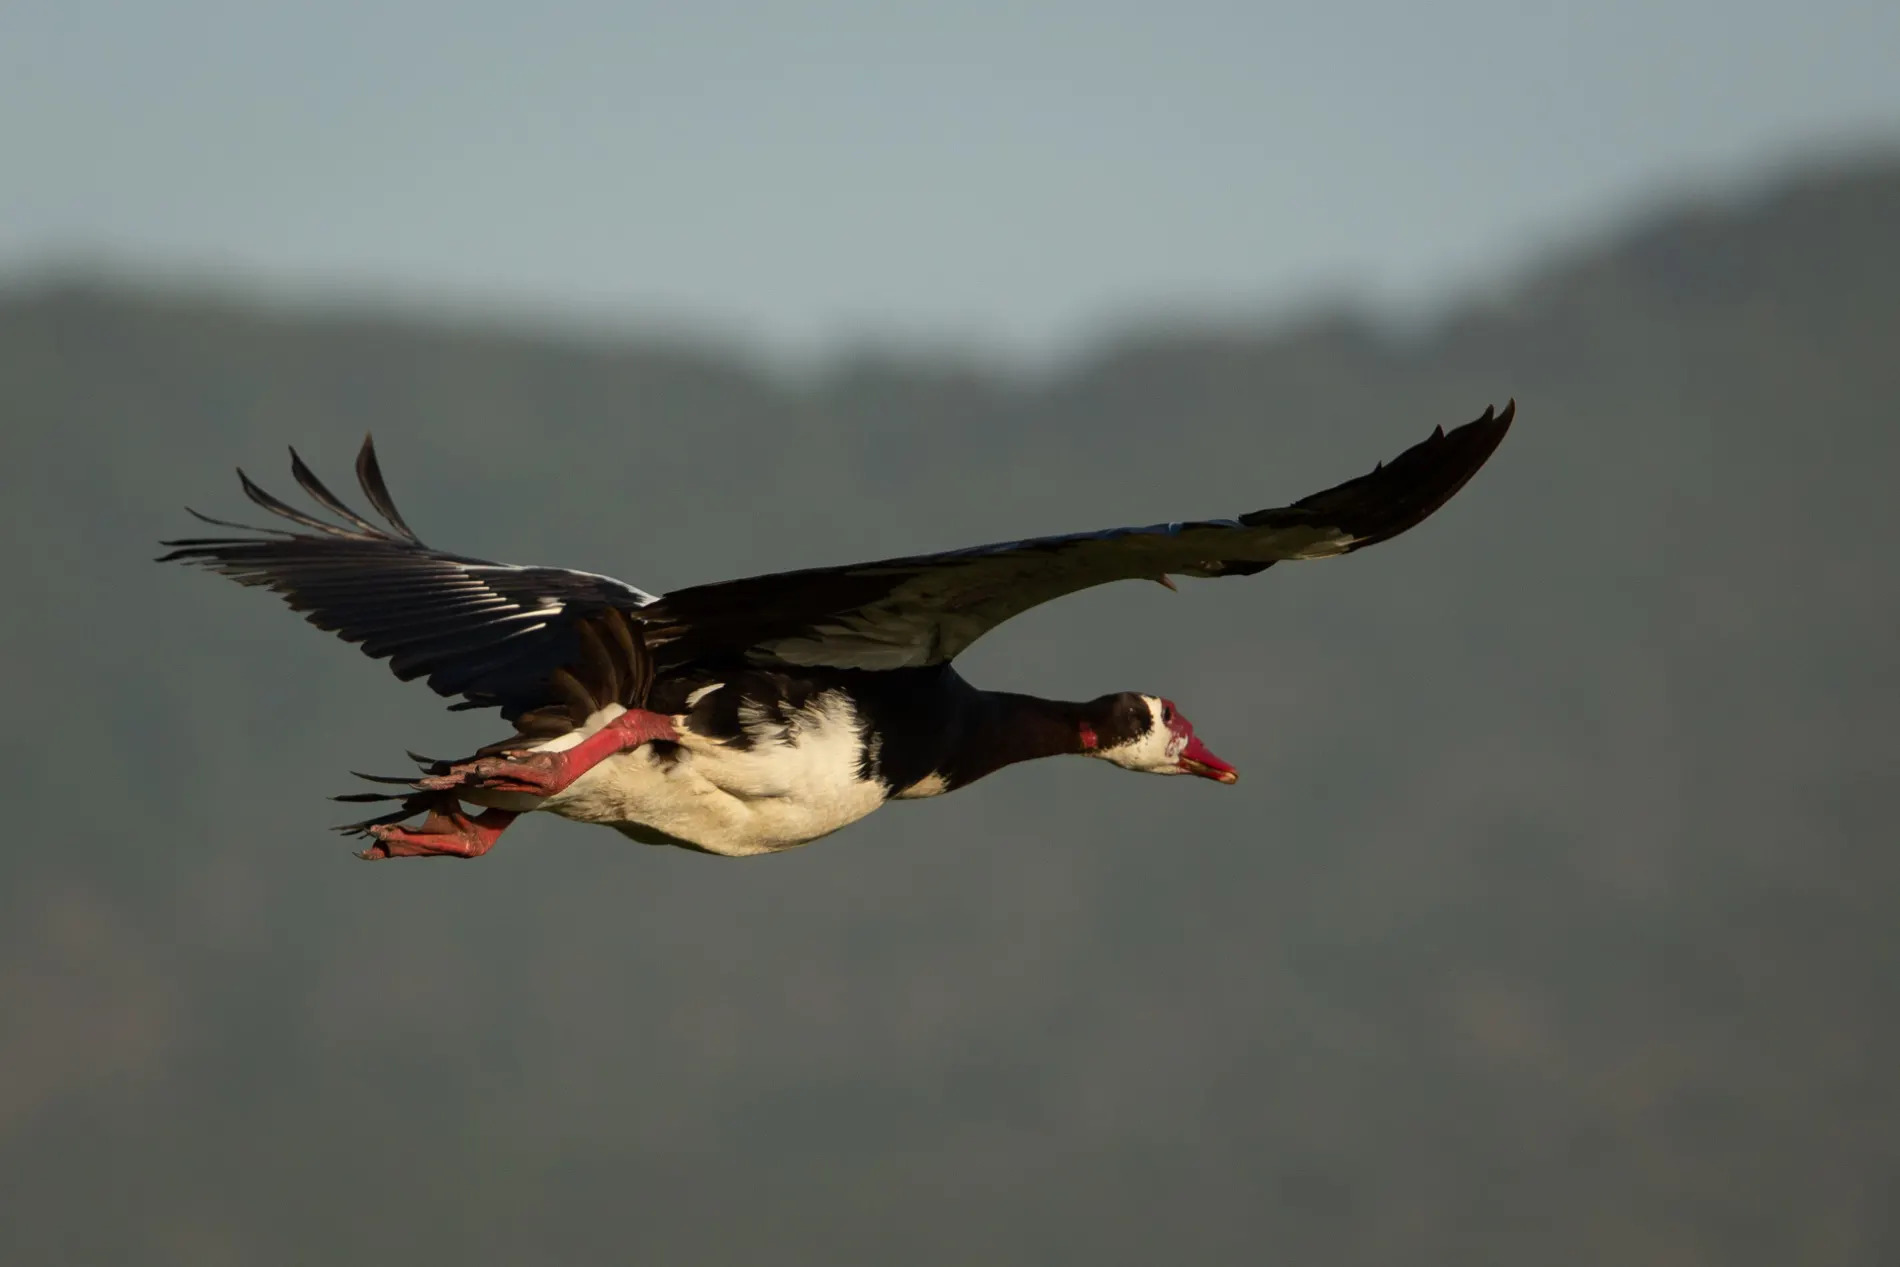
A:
x: 1000, y: 728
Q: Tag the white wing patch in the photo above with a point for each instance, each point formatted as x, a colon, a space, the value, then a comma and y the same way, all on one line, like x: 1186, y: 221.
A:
x: 1311, y: 543
x: 638, y: 597
x: 932, y: 784
x: 573, y: 738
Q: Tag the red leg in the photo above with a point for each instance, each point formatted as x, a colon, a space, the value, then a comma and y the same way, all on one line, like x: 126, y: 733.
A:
x: 545, y: 773
x: 448, y: 833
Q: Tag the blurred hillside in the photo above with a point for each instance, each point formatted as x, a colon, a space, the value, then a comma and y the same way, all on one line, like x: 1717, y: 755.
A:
x: 1553, y: 919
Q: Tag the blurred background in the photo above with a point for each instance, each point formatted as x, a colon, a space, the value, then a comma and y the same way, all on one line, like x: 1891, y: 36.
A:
x: 1553, y: 920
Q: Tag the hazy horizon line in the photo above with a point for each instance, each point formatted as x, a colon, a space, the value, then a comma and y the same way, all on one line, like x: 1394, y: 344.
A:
x: 1385, y: 312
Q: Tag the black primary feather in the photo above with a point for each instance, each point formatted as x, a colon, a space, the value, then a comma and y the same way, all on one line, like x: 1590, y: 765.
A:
x: 492, y: 633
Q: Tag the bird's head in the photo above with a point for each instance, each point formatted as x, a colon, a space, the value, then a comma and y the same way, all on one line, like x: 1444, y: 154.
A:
x: 1148, y: 734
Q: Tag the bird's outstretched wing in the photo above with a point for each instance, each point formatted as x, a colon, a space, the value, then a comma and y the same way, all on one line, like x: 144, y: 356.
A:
x: 928, y: 609
x: 517, y: 638
x: 550, y: 644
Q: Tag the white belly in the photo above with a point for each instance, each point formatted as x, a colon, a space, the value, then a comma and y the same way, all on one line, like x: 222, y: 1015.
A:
x: 785, y: 790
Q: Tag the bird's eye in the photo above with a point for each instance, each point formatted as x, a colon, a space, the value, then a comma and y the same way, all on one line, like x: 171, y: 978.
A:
x: 1167, y: 712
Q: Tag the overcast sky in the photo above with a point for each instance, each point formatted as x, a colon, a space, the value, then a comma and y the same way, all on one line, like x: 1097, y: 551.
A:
x: 1004, y: 173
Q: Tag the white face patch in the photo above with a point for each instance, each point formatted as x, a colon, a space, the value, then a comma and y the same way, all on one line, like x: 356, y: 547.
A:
x: 1156, y: 751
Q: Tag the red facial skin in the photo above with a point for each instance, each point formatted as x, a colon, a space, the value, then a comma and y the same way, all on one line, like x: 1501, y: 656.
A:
x: 1195, y: 758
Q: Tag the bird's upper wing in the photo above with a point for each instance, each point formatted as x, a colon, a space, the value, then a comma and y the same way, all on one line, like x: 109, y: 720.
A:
x: 927, y: 609
x: 517, y: 638
x: 537, y: 641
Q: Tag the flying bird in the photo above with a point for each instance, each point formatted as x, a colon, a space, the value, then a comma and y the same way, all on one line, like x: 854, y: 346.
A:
x: 750, y: 716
